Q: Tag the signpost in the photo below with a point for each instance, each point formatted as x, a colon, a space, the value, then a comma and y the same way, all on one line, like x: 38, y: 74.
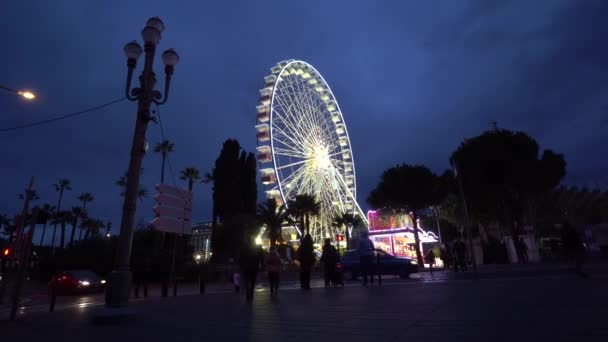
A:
x: 173, y: 215
x: 173, y: 211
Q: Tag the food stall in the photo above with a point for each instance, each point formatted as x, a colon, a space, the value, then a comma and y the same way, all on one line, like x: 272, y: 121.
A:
x: 393, y: 232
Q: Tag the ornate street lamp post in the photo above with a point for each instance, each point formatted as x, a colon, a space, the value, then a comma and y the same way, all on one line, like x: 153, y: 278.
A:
x: 117, y: 292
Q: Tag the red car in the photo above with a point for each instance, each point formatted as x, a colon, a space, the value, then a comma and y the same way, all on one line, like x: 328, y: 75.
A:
x: 75, y: 282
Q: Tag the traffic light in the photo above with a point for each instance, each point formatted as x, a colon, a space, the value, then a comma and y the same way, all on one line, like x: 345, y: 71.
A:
x: 340, y: 237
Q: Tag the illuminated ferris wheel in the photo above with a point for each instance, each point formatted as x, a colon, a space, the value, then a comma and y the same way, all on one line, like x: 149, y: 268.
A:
x: 303, y: 144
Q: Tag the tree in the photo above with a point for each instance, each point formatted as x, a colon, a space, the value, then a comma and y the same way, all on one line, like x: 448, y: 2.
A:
x: 408, y: 187
x: 502, y: 175
x: 85, y: 198
x: 142, y: 192
x: 44, y: 215
x: 164, y: 148
x: 76, y: 213
x: 33, y: 195
x: 234, y: 195
x: 273, y: 216
x: 61, y: 218
x: 61, y: 186
x: 348, y: 221
x: 191, y: 174
x: 92, y: 227
x: 303, y: 207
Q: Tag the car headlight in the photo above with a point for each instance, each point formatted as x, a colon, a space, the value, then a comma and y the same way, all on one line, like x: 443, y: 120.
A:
x: 103, y: 281
x: 413, y: 262
x: 84, y: 283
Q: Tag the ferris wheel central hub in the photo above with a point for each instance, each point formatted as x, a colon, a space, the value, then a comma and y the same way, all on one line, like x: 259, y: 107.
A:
x: 320, y: 157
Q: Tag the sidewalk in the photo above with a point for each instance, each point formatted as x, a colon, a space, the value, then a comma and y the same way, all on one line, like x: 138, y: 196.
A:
x: 491, y: 310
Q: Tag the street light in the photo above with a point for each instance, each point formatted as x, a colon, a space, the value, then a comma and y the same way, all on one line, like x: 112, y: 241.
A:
x: 117, y: 293
x: 26, y: 94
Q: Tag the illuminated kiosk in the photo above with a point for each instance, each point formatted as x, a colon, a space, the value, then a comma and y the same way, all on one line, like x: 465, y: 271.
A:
x: 393, y: 232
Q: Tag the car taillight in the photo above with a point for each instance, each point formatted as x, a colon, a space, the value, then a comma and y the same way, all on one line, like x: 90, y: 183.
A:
x: 339, y: 265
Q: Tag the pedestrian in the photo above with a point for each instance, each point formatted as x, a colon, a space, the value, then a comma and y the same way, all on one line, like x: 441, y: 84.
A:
x: 366, y: 257
x: 522, y: 250
x: 203, y: 276
x: 461, y: 255
x: 250, y: 258
x: 307, y: 261
x: 445, y: 257
x: 236, y: 281
x: 430, y: 258
x: 574, y: 248
x: 329, y: 259
x: 273, y: 266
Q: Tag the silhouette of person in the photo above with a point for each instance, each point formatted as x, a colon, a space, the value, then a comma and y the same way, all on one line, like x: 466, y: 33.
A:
x: 273, y: 266
x: 329, y: 259
x: 366, y: 257
x: 250, y: 258
x: 574, y: 247
x: 430, y: 258
x: 461, y: 250
x: 307, y: 261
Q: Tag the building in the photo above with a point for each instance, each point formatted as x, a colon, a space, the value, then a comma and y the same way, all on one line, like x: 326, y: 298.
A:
x: 201, y: 241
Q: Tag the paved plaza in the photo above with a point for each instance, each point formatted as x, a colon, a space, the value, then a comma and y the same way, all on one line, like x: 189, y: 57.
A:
x: 558, y: 306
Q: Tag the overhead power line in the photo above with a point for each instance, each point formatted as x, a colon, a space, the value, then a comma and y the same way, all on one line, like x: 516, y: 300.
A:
x: 61, y: 117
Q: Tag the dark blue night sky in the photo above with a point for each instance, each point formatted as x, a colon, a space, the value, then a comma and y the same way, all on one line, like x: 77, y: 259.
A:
x: 413, y: 78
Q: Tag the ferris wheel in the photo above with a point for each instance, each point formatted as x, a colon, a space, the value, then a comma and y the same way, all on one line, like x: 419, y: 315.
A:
x: 303, y: 144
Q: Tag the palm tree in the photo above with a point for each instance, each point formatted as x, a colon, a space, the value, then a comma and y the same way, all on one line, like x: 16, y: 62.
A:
x: 302, y: 207
x: 44, y: 215
x: 191, y: 174
x: 83, y: 218
x: 85, y: 198
x: 348, y: 221
x: 273, y: 216
x: 61, y: 186
x: 165, y: 147
x: 142, y: 192
x: 61, y: 218
x: 32, y: 194
x: 92, y: 226
x: 76, y: 213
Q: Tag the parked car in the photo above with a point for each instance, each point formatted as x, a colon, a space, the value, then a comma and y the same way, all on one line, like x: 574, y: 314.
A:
x: 389, y: 264
x: 77, y: 281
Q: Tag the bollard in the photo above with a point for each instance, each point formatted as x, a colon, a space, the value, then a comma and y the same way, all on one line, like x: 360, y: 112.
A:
x: 53, y: 298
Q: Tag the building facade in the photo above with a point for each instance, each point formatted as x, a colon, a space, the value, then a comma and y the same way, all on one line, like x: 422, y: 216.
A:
x: 201, y: 241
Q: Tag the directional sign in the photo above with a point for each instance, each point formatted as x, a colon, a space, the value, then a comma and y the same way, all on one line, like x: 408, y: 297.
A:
x: 174, y: 210
x: 178, y: 213
x: 169, y: 225
x: 173, y: 191
x: 170, y: 201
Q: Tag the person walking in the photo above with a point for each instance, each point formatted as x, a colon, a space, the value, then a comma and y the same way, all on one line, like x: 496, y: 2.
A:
x: 522, y: 250
x: 574, y: 248
x: 329, y: 259
x: 273, y: 267
x: 445, y: 257
x: 307, y: 261
x: 250, y: 258
x: 430, y: 258
x: 461, y: 255
x: 366, y: 257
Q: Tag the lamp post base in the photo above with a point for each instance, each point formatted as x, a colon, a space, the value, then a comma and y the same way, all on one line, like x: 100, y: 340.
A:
x: 118, y: 289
